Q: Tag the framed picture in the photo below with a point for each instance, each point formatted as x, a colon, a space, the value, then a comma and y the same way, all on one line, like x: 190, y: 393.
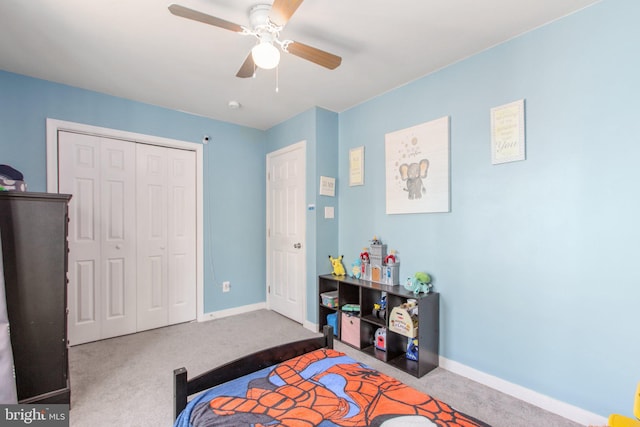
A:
x: 507, y: 133
x: 327, y: 186
x: 356, y: 166
x: 417, y: 168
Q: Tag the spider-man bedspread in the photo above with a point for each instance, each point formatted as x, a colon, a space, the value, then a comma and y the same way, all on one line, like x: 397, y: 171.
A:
x: 322, y: 388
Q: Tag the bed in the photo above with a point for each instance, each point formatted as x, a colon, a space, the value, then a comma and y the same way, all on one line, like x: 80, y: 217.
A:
x: 305, y: 383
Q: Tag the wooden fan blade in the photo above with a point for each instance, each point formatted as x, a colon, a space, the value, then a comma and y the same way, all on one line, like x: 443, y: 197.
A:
x: 248, y: 68
x: 281, y: 11
x: 320, y: 57
x: 185, y: 12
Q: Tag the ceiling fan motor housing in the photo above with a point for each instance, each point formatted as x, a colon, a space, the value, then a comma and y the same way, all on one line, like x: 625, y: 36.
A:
x: 259, y: 16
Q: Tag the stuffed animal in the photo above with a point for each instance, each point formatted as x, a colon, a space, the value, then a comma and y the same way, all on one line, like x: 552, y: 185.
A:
x: 420, y: 282
x: 338, y: 268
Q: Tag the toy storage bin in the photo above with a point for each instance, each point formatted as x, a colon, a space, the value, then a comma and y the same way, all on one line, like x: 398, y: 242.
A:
x: 350, y: 330
x: 403, y: 323
x: 330, y: 299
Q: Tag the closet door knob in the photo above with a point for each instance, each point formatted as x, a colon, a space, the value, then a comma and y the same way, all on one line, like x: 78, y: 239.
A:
x: 118, y: 247
x: 297, y: 245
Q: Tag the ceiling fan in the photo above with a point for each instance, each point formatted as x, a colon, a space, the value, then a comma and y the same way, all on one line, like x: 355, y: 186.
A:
x: 266, y: 22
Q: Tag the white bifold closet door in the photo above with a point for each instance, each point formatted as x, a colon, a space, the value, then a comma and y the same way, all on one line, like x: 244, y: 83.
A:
x: 121, y: 214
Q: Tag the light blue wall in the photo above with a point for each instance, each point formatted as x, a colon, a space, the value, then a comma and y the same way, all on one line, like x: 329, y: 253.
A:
x: 234, y: 168
x: 537, y: 260
x: 319, y: 128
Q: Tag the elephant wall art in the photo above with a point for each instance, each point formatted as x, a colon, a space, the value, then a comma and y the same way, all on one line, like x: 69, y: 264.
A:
x: 413, y: 173
x: 417, y: 168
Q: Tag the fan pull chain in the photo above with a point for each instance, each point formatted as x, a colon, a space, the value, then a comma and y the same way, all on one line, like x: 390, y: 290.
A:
x: 277, y: 79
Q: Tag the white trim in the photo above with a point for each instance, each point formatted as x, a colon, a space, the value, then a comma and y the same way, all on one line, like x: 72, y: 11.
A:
x: 54, y: 126
x: 213, y: 315
x: 547, y: 403
x: 313, y: 327
x: 302, y: 145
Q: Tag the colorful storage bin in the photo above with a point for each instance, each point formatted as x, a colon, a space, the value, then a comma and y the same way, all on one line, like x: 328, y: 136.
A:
x: 330, y: 299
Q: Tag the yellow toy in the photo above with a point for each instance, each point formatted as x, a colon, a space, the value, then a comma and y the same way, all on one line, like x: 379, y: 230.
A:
x: 616, y: 420
x: 338, y: 268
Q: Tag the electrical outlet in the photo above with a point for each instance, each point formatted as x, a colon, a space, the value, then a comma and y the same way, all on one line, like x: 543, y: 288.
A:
x: 226, y: 286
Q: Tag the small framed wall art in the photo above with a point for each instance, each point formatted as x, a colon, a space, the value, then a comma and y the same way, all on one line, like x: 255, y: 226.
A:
x: 327, y: 186
x: 508, y: 133
x: 356, y: 166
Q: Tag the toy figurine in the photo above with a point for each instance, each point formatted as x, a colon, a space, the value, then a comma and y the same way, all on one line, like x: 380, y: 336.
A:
x: 380, y: 341
x: 420, y: 282
x: 412, y: 349
x: 380, y: 308
x: 391, y: 258
x: 338, y: 268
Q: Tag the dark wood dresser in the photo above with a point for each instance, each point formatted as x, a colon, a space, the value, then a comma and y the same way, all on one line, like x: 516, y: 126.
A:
x: 33, y: 229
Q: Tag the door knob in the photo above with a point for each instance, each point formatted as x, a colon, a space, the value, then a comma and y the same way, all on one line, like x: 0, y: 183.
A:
x: 297, y: 245
x: 118, y: 247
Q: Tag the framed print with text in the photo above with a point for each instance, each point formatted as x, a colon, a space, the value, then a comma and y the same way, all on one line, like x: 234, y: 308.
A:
x: 508, y: 133
x: 356, y: 166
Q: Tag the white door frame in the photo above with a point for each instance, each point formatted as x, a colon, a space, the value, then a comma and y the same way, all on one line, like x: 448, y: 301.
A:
x: 54, y: 125
x: 302, y: 145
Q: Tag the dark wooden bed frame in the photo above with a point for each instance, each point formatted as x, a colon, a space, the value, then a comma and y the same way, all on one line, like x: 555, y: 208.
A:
x: 183, y: 388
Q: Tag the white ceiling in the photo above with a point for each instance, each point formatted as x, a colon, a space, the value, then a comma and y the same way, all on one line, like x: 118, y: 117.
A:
x: 137, y: 50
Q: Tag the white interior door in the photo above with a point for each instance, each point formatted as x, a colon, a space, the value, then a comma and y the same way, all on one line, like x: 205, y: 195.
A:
x: 99, y: 173
x: 286, y: 180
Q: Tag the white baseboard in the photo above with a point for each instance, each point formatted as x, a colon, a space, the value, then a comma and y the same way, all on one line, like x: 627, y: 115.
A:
x: 310, y: 326
x: 212, y: 315
x: 547, y: 403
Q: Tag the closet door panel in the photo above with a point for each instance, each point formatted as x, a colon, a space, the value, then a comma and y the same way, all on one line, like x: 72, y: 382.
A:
x: 118, y: 242
x: 152, y: 292
x: 79, y: 162
x: 181, y: 235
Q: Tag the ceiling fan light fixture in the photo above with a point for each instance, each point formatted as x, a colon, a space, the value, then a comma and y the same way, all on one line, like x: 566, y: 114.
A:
x: 265, y: 55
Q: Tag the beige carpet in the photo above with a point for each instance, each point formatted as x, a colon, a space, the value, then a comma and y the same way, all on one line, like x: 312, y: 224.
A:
x: 127, y: 381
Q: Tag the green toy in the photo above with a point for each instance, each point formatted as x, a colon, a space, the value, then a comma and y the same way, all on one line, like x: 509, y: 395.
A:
x: 420, y: 282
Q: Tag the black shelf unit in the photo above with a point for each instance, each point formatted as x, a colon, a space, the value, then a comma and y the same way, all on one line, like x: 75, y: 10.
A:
x: 366, y: 293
